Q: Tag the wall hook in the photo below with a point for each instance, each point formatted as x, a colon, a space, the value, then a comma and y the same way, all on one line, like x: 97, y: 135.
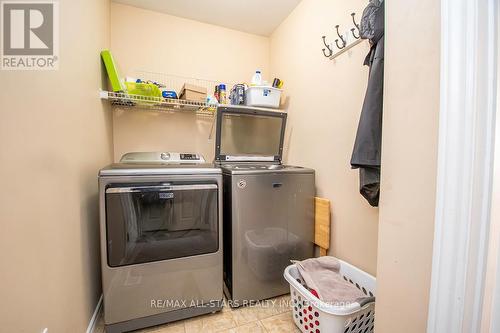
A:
x: 356, y: 27
x: 354, y: 33
x: 330, y: 51
x: 354, y: 21
x: 341, y: 38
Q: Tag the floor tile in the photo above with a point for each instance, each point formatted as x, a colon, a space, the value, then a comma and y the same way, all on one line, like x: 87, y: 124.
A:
x: 266, y: 316
x: 283, y: 303
x: 254, y: 327
x: 267, y: 309
x: 210, y: 323
x: 176, y: 327
x: 99, y: 327
x: 244, y: 315
x: 280, y: 323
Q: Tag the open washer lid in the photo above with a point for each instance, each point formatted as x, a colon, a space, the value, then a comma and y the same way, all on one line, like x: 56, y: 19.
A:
x: 246, y: 134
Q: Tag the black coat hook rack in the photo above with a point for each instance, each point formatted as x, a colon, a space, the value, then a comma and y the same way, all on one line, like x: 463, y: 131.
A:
x: 341, y: 41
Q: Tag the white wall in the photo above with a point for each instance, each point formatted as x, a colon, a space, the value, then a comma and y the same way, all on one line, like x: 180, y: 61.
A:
x: 55, y: 134
x: 324, y: 103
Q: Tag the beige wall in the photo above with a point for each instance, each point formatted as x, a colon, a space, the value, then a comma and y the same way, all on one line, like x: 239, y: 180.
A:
x: 55, y: 134
x: 324, y: 104
x: 409, y: 161
x: 174, y: 45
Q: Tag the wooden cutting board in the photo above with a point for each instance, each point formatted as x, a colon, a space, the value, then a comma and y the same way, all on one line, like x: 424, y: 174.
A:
x: 322, y: 224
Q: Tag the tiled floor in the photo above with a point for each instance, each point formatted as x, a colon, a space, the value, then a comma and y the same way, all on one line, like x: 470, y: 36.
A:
x: 273, y: 316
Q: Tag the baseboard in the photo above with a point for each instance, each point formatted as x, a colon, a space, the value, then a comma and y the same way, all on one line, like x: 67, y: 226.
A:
x: 95, y: 316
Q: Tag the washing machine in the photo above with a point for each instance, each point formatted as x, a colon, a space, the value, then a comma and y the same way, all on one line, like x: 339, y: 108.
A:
x: 268, y: 206
x: 161, y: 239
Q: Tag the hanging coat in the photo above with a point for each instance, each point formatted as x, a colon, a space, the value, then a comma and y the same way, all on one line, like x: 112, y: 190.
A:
x: 367, y: 147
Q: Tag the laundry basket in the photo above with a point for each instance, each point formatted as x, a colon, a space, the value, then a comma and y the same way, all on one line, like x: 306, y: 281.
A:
x: 311, y: 315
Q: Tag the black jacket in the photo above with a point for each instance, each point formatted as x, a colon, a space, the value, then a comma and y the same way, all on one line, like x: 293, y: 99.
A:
x: 367, y: 147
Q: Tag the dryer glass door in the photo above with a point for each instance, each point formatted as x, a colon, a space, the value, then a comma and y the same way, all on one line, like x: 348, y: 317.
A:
x: 151, y: 222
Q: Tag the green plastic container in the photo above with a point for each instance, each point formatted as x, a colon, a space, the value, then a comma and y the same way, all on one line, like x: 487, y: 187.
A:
x: 112, y: 71
x: 143, y: 89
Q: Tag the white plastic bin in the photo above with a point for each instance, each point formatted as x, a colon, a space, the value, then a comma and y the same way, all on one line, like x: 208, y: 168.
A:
x: 267, y: 97
x: 311, y: 315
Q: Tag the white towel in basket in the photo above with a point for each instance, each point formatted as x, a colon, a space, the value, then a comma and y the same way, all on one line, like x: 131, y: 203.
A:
x: 322, y: 275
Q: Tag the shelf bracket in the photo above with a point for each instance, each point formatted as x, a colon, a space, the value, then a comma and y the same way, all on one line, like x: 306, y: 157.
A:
x: 103, y: 94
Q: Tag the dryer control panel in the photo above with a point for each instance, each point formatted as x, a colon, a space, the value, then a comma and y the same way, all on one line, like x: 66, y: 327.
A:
x: 190, y: 157
x: 162, y: 157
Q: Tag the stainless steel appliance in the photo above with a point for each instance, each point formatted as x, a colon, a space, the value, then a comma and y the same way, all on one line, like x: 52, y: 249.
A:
x: 268, y: 207
x: 161, y: 239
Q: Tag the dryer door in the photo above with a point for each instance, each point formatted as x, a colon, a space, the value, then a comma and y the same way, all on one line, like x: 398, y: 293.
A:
x: 151, y: 222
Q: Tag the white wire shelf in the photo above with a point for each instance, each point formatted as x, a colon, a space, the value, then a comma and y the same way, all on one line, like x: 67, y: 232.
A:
x: 176, y: 82
x: 158, y: 103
